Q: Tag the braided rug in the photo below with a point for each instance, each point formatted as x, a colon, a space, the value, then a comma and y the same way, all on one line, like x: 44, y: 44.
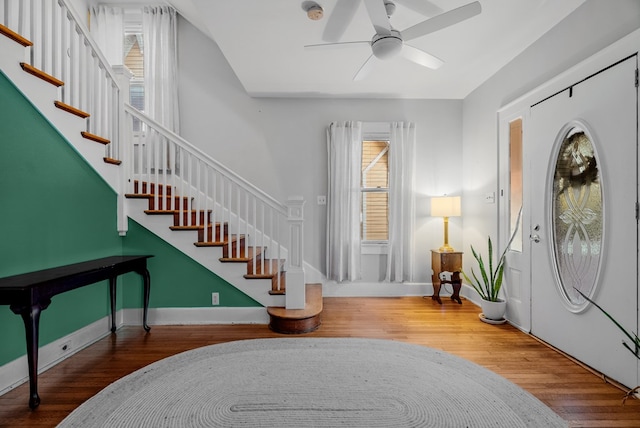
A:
x: 313, y: 382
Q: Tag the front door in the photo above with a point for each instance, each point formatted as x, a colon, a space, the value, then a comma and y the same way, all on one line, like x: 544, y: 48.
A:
x: 582, y: 147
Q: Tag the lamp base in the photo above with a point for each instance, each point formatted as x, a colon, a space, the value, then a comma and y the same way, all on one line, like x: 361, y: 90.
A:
x: 446, y: 248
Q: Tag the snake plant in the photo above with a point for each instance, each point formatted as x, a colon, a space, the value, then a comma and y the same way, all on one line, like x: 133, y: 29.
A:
x: 634, y: 349
x: 489, y: 287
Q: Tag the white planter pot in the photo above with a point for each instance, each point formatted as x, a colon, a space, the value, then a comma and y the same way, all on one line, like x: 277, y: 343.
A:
x: 494, y: 310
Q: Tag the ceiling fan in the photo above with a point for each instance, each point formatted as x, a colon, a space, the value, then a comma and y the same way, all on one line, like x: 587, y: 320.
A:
x: 388, y: 42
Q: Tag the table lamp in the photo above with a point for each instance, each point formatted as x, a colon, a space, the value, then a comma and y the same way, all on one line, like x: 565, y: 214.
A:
x: 446, y: 206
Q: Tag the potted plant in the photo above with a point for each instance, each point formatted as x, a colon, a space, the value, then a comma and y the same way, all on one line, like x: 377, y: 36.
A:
x: 490, y: 282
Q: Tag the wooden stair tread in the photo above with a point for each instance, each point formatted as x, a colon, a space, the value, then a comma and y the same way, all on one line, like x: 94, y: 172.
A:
x: 112, y: 161
x: 96, y: 138
x: 153, y: 195
x: 71, y: 109
x: 235, y: 259
x: 298, y: 321
x: 15, y: 36
x: 41, y: 74
x: 187, y: 227
x: 271, y: 268
x: 154, y: 212
x: 139, y: 195
x: 209, y: 244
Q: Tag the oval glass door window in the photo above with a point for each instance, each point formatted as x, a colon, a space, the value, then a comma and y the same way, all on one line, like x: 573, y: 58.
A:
x: 577, y: 216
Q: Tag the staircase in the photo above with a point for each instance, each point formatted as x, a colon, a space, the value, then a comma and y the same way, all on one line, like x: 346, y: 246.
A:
x: 234, y: 246
x: 163, y: 182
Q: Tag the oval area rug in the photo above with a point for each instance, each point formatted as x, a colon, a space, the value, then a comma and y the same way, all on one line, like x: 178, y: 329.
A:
x: 313, y: 382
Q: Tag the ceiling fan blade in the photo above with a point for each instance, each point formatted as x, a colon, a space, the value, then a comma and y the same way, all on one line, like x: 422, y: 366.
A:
x: 339, y: 20
x: 378, y: 15
x: 442, y: 21
x: 366, y: 68
x: 420, y: 57
x: 423, y: 7
x: 337, y: 45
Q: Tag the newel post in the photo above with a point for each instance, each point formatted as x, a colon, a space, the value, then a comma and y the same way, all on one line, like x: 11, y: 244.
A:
x: 295, y: 296
x: 121, y: 148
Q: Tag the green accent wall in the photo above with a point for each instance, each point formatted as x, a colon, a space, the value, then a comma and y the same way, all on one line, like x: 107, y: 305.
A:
x: 56, y: 210
x: 177, y: 281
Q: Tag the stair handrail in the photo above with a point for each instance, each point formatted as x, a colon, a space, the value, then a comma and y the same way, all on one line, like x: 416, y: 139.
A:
x: 274, y: 203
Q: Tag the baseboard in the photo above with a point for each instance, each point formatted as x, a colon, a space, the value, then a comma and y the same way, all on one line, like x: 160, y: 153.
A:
x: 375, y: 289
x: 16, y: 372
x: 191, y: 316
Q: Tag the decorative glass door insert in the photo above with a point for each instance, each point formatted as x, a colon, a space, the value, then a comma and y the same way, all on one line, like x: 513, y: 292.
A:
x: 577, y: 215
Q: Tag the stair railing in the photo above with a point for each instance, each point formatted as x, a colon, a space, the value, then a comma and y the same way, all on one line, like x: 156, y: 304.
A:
x: 205, y: 195
x: 63, y: 48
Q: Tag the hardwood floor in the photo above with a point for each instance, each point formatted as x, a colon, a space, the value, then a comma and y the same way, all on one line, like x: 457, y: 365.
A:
x: 579, y: 396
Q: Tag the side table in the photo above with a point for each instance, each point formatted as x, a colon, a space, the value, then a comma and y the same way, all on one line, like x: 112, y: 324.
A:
x: 445, y: 269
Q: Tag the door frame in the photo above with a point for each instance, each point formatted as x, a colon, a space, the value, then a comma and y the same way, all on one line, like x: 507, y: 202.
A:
x: 519, y: 108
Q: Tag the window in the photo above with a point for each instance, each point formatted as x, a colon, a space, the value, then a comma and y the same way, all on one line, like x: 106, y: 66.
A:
x: 515, y: 180
x: 134, y: 61
x: 374, y: 212
x: 133, y: 51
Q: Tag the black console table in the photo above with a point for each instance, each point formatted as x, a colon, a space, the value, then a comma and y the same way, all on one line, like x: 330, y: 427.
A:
x: 30, y: 293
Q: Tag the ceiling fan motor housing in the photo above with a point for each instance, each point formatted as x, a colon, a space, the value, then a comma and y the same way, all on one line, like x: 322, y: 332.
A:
x: 386, y: 46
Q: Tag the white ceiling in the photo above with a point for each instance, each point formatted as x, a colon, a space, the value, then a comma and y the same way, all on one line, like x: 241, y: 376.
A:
x: 264, y: 41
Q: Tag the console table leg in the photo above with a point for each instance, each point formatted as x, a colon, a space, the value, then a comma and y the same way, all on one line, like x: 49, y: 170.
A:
x: 112, y: 296
x: 147, y: 287
x: 31, y: 318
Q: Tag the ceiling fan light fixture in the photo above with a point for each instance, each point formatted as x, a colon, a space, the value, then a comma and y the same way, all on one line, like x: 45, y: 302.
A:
x: 315, y: 12
x: 386, y: 46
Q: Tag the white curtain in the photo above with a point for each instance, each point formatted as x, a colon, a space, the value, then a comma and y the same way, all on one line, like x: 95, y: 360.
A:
x: 344, y: 144
x: 159, y: 25
x: 107, y: 29
x: 400, y: 258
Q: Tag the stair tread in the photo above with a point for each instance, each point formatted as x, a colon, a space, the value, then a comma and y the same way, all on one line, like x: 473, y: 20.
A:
x: 271, y: 269
x: 188, y: 227
x: 96, y: 138
x: 209, y: 244
x: 71, y: 109
x: 173, y: 211
x: 15, y: 36
x: 235, y: 259
x: 112, y: 161
x: 313, y: 305
x: 41, y: 74
x: 152, y: 195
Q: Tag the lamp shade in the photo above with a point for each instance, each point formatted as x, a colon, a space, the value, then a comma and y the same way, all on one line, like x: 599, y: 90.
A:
x: 446, y: 206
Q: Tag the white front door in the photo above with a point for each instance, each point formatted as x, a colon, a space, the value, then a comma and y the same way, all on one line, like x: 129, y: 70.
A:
x: 582, y: 148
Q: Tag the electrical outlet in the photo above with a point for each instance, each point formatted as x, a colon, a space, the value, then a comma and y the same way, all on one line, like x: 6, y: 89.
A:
x: 215, y: 299
x: 322, y: 200
x: 490, y: 198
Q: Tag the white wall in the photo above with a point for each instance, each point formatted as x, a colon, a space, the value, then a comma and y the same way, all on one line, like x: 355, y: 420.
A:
x: 280, y: 144
x: 593, y: 26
